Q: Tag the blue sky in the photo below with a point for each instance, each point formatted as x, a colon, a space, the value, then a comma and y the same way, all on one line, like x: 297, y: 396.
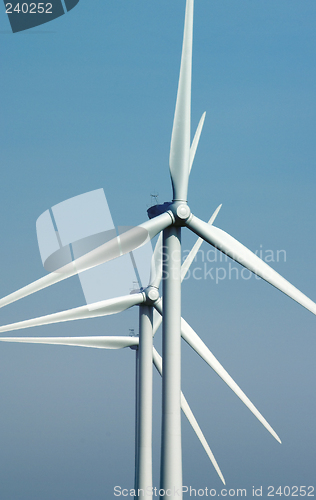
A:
x: 87, y: 102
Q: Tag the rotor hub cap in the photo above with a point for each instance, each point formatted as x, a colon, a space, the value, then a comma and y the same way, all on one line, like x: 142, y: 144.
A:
x: 183, y: 211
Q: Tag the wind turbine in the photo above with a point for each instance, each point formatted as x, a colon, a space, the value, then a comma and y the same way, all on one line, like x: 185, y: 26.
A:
x: 169, y: 218
x: 145, y: 355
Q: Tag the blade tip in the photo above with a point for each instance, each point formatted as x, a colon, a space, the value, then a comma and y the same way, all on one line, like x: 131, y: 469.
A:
x: 274, y: 434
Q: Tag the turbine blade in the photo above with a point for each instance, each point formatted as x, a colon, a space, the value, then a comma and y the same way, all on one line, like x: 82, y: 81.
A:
x: 180, y: 139
x: 157, y: 315
x: 97, y: 342
x: 191, y: 418
x: 156, y: 264
x: 118, y: 246
x: 238, y: 252
x: 157, y: 360
x: 103, y: 308
x: 196, y: 140
x: 188, y: 261
x: 157, y: 319
x: 191, y: 337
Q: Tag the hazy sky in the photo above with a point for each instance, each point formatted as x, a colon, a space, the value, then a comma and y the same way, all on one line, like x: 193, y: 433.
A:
x: 87, y: 102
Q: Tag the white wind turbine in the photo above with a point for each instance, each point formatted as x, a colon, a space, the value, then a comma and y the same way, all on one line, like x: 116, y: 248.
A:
x: 169, y: 218
x: 146, y: 354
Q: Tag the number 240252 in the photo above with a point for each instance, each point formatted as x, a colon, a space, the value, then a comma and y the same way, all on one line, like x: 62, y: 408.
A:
x: 33, y: 8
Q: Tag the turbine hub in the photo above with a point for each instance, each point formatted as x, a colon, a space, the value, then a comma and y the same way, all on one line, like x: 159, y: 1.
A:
x: 152, y: 294
x: 183, y: 211
x: 178, y: 209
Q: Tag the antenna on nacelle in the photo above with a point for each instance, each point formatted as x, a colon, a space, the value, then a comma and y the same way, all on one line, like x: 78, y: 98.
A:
x: 154, y: 198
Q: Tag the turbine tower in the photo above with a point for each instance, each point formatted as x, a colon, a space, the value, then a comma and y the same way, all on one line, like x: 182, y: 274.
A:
x: 168, y: 218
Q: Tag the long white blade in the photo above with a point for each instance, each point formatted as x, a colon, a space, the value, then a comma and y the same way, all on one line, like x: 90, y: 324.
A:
x: 180, y: 138
x: 157, y: 317
x: 191, y: 337
x: 118, y: 246
x: 103, y: 308
x: 238, y: 252
x: 157, y: 359
x: 190, y: 258
x: 196, y: 140
x: 156, y: 264
x: 97, y: 341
